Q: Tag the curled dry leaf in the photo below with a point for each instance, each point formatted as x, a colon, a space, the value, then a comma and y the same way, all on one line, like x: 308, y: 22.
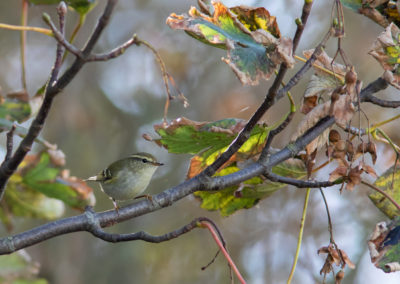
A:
x: 339, y: 172
x: 309, y: 121
x: 369, y: 147
x: 384, y: 245
x: 335, y: 256
x: 251, y: 36
x: 386, y: 50
x: 321, y: 83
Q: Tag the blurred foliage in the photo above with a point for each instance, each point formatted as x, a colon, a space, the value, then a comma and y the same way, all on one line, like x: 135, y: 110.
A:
x: 80, y: 6
x: 18, y: 268
x: 34, y: 189
x: 15, y: 107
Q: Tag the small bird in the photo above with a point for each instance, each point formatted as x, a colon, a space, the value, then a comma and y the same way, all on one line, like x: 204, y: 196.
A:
x: 127, y: 178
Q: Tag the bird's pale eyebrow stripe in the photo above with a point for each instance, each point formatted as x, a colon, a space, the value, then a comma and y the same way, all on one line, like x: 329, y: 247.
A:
x: 142, y: 157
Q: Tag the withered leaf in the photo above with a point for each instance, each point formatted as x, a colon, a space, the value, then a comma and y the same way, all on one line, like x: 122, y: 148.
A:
x: 251, y: 36
x: 386, y: 50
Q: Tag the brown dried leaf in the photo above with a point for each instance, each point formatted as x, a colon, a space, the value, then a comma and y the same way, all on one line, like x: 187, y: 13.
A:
x: 310, y: 120
x: 347, y: 260
x: 343, y: 110
x: 386, y: 50
x: 308, y: 104
x: 20, y: 96
x: 324, y: 60
x: 354, y: 177
x: 334, y: 136
x: 369, y: 147
x: 368, y: 170
x: 339, y: 172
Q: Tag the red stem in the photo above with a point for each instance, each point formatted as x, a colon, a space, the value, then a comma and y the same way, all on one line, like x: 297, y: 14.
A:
x: 222, y: 248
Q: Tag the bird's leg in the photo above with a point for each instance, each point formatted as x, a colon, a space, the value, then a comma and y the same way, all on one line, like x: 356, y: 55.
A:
x: 115, y: 205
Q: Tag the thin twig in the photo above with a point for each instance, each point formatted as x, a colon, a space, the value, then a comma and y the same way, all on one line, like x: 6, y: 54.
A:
x: 300, y: 183
x: 224, y: 251
x: 115, y: 52
x: 24, y: 19
x: 59, y: 36
x: 300, y: 237
x: 330, y: 229
x: 32, y: 29
x: 269, y: 100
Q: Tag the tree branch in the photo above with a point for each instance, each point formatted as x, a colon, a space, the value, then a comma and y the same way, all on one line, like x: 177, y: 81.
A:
x: 301, y: 183
x: 171, y: 195
x: 382, y: 103
x: 269, y: 100
x: 53, y: 87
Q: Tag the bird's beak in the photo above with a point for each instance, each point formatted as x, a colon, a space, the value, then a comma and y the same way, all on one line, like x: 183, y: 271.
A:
x: 157, y: 164
x: 93, y: 178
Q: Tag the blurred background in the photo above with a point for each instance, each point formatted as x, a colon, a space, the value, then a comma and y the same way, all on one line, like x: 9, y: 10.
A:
x: 102, y: 115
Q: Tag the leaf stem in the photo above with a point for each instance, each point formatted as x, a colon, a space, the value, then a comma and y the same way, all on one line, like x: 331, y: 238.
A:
x: 391, y: 199
x: 24, y: 19
x: 224, y: 251
x: 300, y: 238
x: 20, y: 28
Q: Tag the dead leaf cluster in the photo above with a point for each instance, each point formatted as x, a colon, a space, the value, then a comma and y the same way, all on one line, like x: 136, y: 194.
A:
x: 335, y: 256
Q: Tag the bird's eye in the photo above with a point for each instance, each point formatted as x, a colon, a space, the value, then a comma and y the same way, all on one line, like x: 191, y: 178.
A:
x: 144, y: 160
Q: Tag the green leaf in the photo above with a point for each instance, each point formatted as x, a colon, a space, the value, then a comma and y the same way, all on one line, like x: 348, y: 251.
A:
x: 207, y: 140
x: 80, y: 6
x: 229, y: 200
x: 40, y: 189
x: 391, y: 185
x: 250, y: 35
x: 19, y: 268
x: 15, y: 107
x: 355, y: 5
x: 45, y: 179
x: 26, y: 202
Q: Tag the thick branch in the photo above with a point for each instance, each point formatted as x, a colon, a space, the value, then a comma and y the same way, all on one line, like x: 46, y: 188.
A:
x: 169, y: 196
x: 382, y: 103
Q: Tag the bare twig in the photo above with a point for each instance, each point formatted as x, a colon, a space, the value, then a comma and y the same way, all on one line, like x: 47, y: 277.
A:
x: 115, y: 52
x: 59, y: 36
x: 300, y: 237
x: 224, y: 251
x: 269, y: 100
x: 300, y: 183
x: 24, y: 19
x: 52, y: 89
x: 330, y: 228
